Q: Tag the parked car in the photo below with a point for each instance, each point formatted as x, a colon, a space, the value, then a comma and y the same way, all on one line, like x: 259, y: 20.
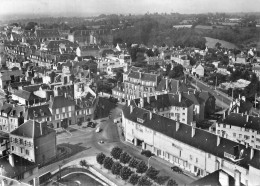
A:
x: 91, y: 124
x: 177, y: 169
x: 147, y: 153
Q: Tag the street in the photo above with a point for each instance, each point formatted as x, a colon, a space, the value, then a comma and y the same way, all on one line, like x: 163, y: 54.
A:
x: 86, y: 142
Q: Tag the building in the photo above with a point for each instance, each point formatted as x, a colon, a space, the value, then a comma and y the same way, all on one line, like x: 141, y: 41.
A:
x: 34, y: 142
x: 108, y: 63
x: 7, y: 77
x: 63, y: 111
x: 242, y: 128
x: 256, y: 70
x: 192, y: 149
x: 88, y: 50
x: 171, y: 86
x: 47, y: 34
x: 181, y: 59
x: 136, y: 84
x: 198, y: 70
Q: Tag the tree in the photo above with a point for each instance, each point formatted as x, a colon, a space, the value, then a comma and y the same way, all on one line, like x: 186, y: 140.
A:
x: 144, y: 181
x: 141, y: 167
x: 133, y: 162
x: 83, y: 163
x: 218, y: 45
x: 124, y: 157
x: 134, y: 179
x: 116, y: 152
x: 176, y: 72
x: 161, y: 179
x: 64, y: 124
x: 108, y: 163
x: 152, y: 173
x: 116, y: 168
x: 171, y: 183
x: 100, y: 158
x: 125, y: 173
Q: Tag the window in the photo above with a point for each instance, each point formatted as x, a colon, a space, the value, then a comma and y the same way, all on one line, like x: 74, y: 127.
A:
x: 57, y: 111
x: 258, y: 139
x: 218, y: 131
x: 234, y: 134
x: 209, y: 155
x: 190, y: 157
x: 240, y: 135
x: 27, y: 152
x: 13, y: 148
x: 246, y: 137
x: 224, y: 125
x: 63, y: 109
x: 21, y: 149
x: 197, y: 160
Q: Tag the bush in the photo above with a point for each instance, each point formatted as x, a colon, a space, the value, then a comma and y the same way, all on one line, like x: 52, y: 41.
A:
x: 171, y: 183
x: 147, y: 153
x: 134, y: 179
x: 116, y: 152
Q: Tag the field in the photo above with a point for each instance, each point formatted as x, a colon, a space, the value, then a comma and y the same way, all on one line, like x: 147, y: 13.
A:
x: 210, y: 42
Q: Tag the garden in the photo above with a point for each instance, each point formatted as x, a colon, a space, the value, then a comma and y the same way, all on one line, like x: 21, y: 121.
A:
x: 132, y: 170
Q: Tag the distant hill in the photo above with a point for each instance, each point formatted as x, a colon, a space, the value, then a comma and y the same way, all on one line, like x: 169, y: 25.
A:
x: 210, y: 42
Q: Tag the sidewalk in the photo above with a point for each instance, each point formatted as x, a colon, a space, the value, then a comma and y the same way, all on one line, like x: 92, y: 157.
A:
x: 155, y: 158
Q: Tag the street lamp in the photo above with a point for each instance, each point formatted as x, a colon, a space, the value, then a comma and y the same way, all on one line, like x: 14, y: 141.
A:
x: 149, y: 160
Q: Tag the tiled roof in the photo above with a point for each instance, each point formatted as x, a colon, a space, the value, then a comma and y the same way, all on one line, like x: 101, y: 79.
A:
x: 6, y: 108
x: 54, y: 44
x: 78, y: 33
x: 239, y: 120
x: 47, y: 33
x: 143, y: 76
x: 61, y: 101
x: 164, y: 100
x: 25, y: 95
x: 89, y: 47
x: 32, y: 129
x: 37, y: 112
x: 33, y: 88
x: 20, y: 84
x: 173, y: 86
x: 202, y: 139
x: 17, y: 111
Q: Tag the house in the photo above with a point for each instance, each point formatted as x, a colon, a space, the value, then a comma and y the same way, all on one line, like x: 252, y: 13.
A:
x: 180, y: 58
x: 194, y: 150
x: 59, y: 46
x: 11, y: 117
x: 154, y: 60
x: 241, y: 128
x: 198, y: 70
x: 63, y: 111
x: 7, y: 77
x: 39, y: 113
x: 88, y: 50
x: 47, y: 34
x: 256, y: 70
x: 25, y: 98
x: 34, y: 142
x: 80, y: 36
x: 171, y: 86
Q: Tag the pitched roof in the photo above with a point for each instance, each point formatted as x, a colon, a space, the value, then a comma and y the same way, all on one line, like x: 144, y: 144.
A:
x: 89, y: 47
x: 164, y: 100
x: 143, y: 76
x: 61, y: 101
x: 47, y: 33
x: 173, y: 86
x: 241, y: 120
x: 54, y: 44
x: 32, y: 129
x: 33, y: 88
x: 37, y: 112
x: 25, y: 95
x: 6, y: 108
x: 202, y: 139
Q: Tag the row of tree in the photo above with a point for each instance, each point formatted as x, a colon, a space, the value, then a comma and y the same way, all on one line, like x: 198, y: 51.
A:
x: 129, y: 168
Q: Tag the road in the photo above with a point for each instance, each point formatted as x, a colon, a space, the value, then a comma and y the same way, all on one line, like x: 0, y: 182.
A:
x: 86, y: 142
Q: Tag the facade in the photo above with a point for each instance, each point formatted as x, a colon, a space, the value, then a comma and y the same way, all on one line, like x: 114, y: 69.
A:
x: 88, y: 50
x: 63, y: 111
x: 240, y: 128
x: 256, y: 70
x: 198, y: 70
x: 181, y: 59
x: 34, y: 142
x: 136, y: 84
x: 192, y: 149
x: 7, y: 76
x: 108, y: 63
x: 47, y: 34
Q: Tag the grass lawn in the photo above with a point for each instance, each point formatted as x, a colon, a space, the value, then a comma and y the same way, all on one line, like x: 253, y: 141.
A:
x: 79, y: 179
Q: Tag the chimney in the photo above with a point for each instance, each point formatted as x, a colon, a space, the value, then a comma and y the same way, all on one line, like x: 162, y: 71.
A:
x: 177, y: 125
x: 218, y: 140
x: 247, y: 118
x: 246, y: 145
x: 128, y: 102
x: 224, y: 115
x: 131, y: 108
x: 51, y: 98
x: 142, y: 102
x: 41, y: 128
x: 140, y: 75
x: 155, y: 96
x: 148, y: 99
x: 223, y: 178
x: 151, y: 115
x: 252, y: 152
x: 193, y: 129
x: 239, y: 96
x: 237, y: 177
x: 179, y: 97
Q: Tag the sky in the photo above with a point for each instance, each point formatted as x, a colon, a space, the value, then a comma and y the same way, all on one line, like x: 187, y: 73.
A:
x: 95, y: 7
